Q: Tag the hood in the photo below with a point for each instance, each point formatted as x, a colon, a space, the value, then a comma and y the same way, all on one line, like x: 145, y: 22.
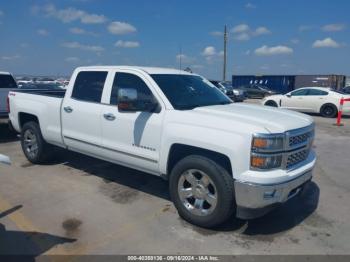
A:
x: 274, y: 120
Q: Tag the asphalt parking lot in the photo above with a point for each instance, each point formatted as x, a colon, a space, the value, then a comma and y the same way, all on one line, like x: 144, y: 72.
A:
x: 80, y: 205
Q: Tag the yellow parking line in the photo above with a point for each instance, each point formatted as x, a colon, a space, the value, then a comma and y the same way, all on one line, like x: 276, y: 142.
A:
x: 21, y: 222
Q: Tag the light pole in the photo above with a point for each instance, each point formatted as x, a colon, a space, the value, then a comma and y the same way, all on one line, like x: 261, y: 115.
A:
x: 225, y: 54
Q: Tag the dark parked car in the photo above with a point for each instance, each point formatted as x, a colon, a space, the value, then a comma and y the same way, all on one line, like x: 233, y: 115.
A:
x: 236, y: 94
x: 257, y: 91
x: 346, y: 90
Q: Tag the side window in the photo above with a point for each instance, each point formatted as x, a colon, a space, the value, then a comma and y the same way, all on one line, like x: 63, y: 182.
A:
x: 302, y: 92
x: 316, y: 92
x: 88, y: 86
x: 130, y: 81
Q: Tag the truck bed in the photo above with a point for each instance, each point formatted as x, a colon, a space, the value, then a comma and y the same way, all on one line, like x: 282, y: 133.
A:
x: 43, y: 92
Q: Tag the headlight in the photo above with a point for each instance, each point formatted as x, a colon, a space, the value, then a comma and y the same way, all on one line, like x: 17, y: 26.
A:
x: 267, y: 151
x: 236, y: 92
x: 268, y: 143
x: 265, y: 161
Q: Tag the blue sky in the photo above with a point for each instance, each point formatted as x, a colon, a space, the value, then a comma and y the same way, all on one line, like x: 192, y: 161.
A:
x: 265, y: 36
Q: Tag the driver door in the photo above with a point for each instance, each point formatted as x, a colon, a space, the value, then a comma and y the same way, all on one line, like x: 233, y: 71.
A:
x: 131, y: 138
x: 295, y: 100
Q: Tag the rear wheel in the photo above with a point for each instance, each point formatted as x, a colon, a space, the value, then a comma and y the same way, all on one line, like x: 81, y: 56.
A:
x: 271, y: 103
x: 329, y: 111
x: 202, y: 191
x: 33, y: 144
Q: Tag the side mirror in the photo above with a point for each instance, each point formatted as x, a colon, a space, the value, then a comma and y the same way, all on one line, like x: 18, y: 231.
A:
x: 289, y: 95
x: 128, y: 101
x: 127, y: 98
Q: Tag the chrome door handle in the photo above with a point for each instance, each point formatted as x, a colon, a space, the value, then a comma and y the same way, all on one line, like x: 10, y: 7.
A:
x: 68, y: 109
x: 109, y: 116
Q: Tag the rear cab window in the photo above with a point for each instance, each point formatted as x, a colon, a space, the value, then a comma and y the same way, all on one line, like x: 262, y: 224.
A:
x: 7, y: 81
x: 89, y: 85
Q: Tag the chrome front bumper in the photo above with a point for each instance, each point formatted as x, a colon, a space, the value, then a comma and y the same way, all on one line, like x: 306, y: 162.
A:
x: 255, y: 200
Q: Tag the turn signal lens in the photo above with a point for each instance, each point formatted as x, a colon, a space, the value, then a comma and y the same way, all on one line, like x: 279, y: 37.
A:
x: 266, y: 162
x: 260, y: 143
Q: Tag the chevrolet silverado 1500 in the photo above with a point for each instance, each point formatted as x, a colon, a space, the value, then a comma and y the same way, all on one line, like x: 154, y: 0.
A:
x: 219, y: 157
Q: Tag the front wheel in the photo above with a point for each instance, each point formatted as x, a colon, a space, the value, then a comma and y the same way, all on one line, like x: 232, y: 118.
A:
x: 202, y: 191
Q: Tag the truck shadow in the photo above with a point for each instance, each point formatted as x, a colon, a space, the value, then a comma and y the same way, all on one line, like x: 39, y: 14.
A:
x: 5, y: 134
x: 30, y: 244
x: 287, y: 216
x: 116, y: 174
x: 283, y: 218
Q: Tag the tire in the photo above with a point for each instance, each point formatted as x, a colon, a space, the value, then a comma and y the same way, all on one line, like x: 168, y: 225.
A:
x: 271, y: 103
x: 329, y: 111
x: 34, y: 147
x: 220, y: 187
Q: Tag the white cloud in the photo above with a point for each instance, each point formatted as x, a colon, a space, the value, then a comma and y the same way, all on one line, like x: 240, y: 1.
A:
x: 76, y: 45
x: 72, y: 59
x: 250, y: 6
x: 211, y: 54
x: 81, y: 31
x: 240, y: 28
x: 261, y: 31
x: 209, y: 51
x: 70, y: 14
x: 9, y: 58
x: 121, y: 28
x: 216, y: 33
x: 242, y: 37
x: 42, y: 32
x: 327, y: 42
x: 197, y: 66
x: 333, y: 27
x: 243, y: 32
x: 274, y: 50
x: 127, y: 44
x: 184, y: 58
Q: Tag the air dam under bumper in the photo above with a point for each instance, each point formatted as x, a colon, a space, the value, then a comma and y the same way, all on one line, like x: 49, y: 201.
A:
x: 255, y: 200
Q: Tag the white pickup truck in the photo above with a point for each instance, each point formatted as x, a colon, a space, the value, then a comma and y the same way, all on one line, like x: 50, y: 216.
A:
x: 220, y: 157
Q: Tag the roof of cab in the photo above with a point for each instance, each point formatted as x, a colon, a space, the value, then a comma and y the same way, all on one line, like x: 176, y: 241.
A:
x: 4, y: 73
x: 148, y: 70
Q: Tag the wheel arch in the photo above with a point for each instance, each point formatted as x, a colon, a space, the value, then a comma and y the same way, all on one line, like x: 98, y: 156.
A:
x: 328, y: 104
x: 25, y: 118
x: 179, y: 151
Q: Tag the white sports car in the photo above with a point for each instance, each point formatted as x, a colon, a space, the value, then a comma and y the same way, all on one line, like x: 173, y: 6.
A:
x: 310, y: 100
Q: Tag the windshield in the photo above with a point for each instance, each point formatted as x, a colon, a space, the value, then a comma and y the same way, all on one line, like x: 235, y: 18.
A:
x: 7, y: 81
x: 190, y: 91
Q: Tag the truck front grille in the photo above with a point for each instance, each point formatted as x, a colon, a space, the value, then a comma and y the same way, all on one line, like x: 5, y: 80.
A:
x: 297, y: 157
x: 299, y: 139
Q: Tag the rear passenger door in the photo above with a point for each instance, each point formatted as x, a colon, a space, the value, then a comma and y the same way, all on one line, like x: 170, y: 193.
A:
x: 314, y: 99
x: 81, y: 113
x: 132, y: 138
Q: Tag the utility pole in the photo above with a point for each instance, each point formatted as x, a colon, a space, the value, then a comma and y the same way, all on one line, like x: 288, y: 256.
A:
x: 225, y: 54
